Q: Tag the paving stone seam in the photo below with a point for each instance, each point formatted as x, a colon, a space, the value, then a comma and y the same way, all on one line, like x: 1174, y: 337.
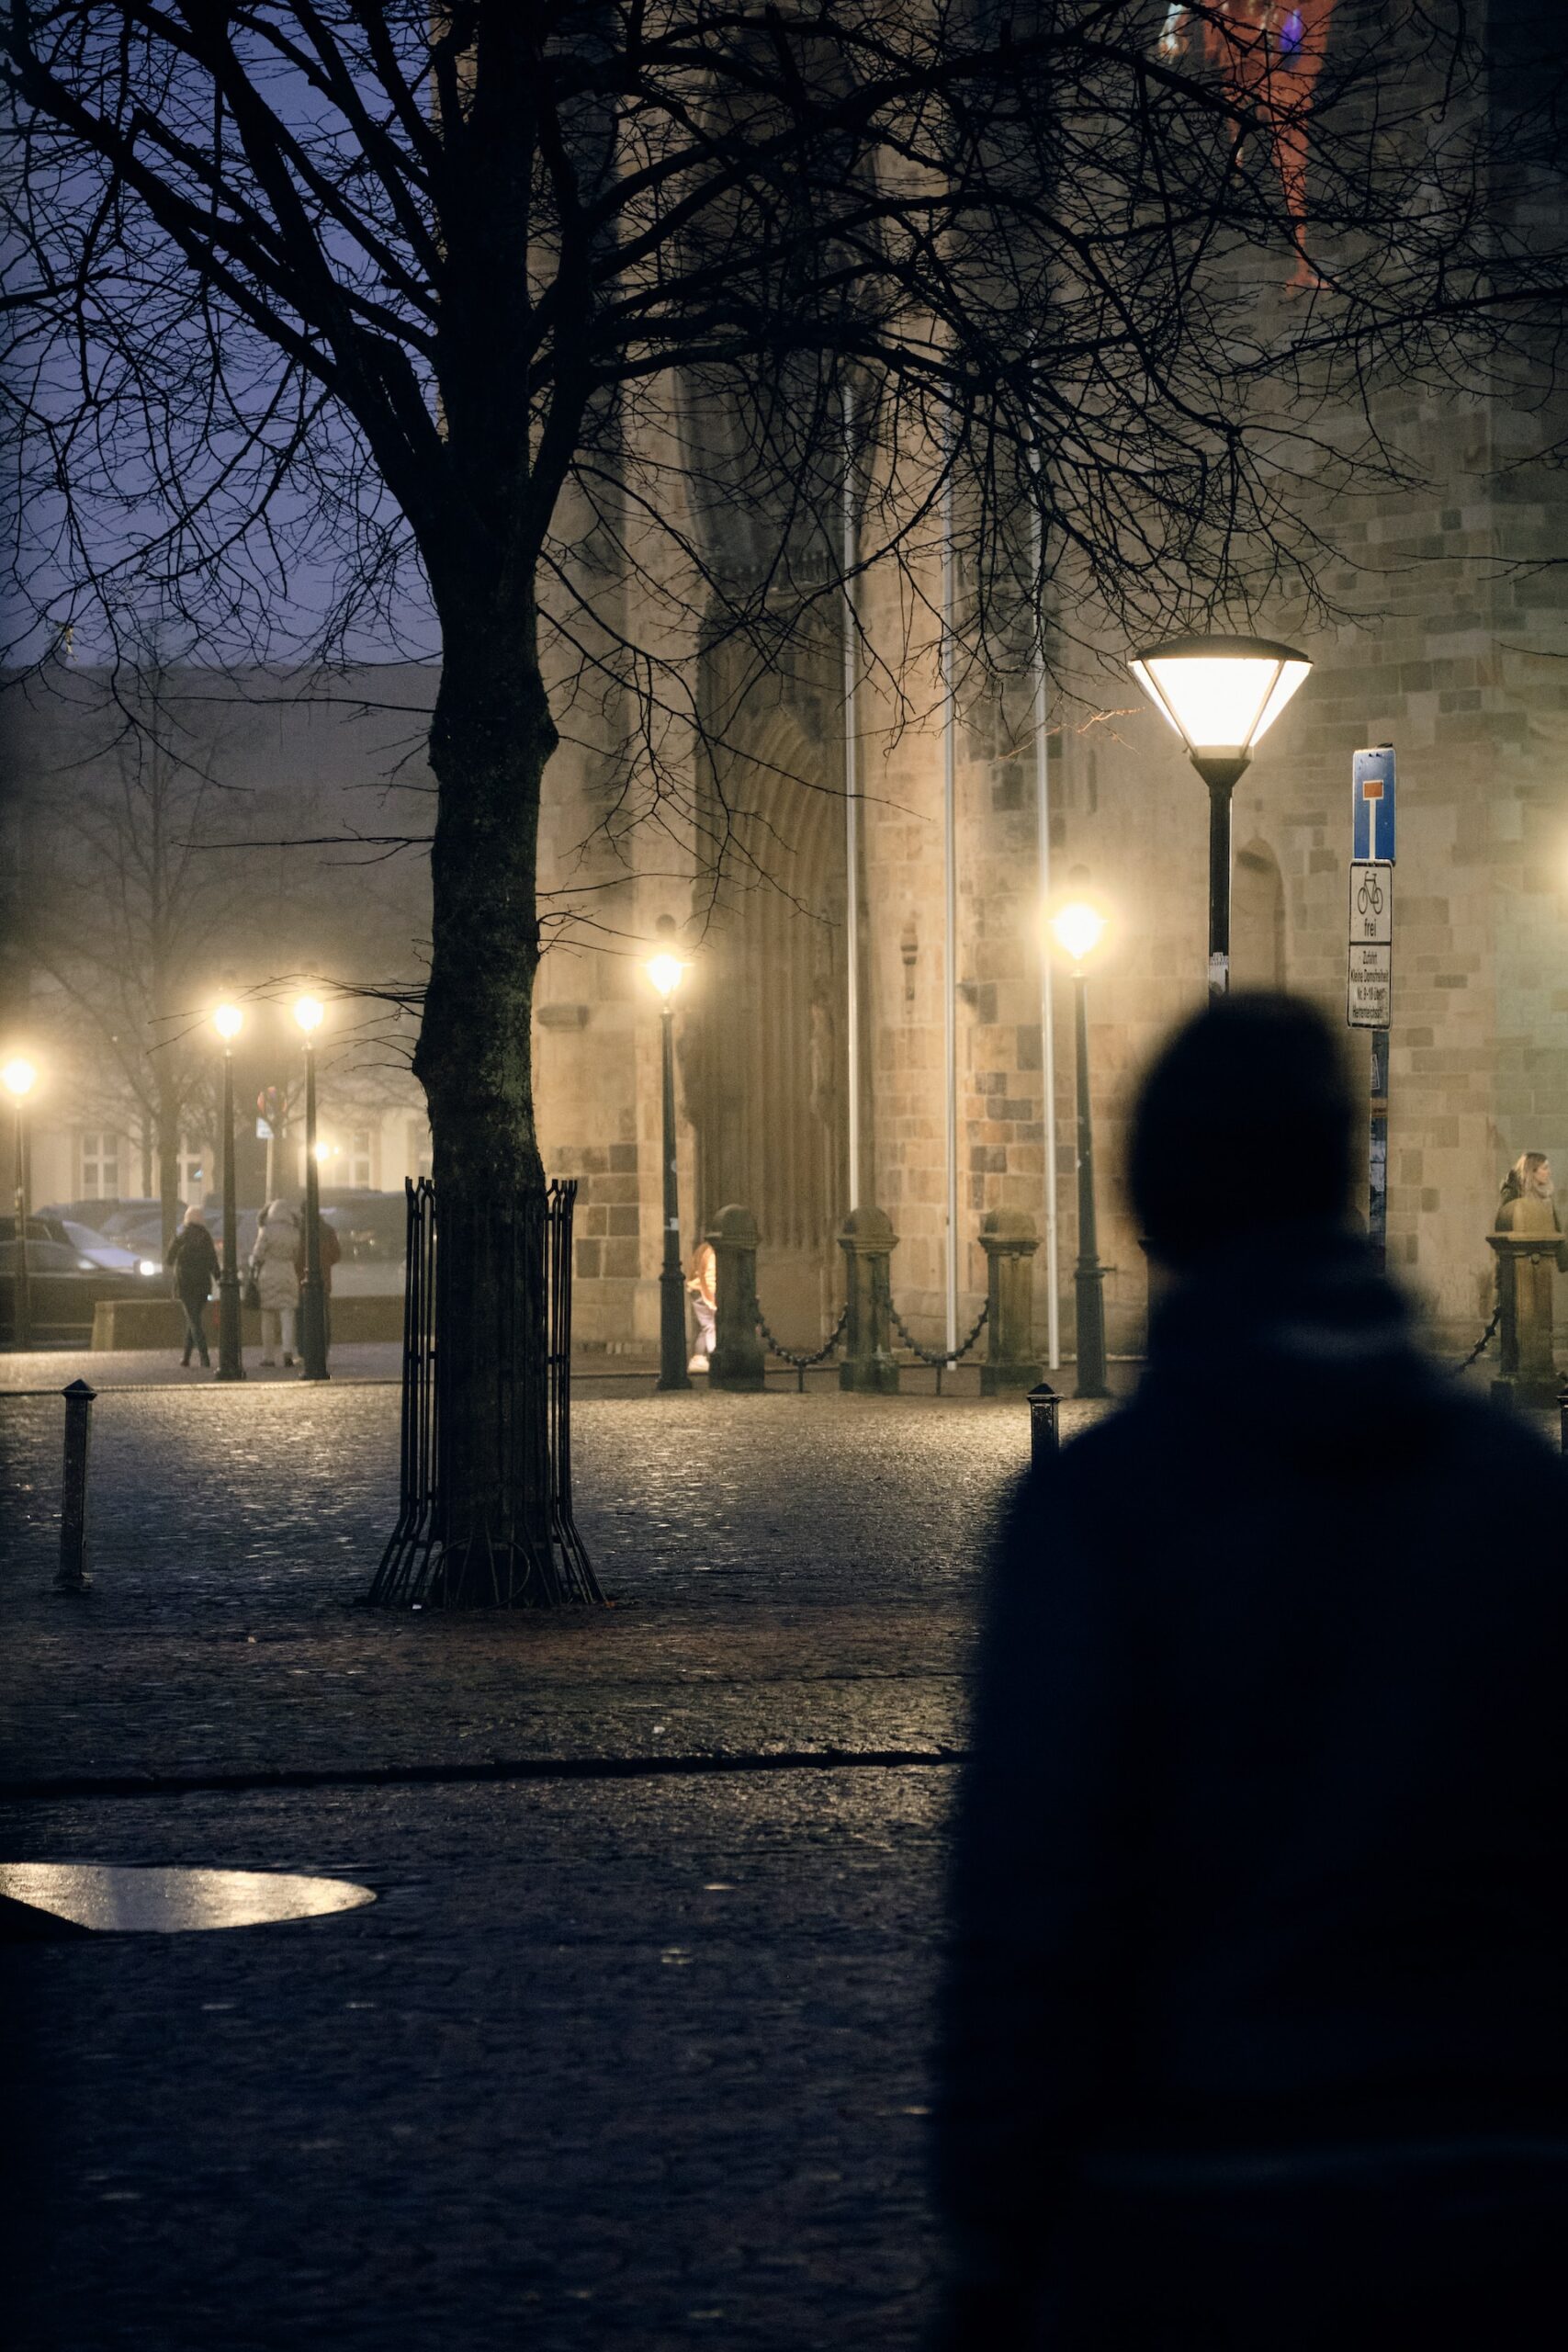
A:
x: 519, y: 1768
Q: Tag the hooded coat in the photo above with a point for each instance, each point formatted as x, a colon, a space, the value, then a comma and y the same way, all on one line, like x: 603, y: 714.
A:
x: 272, y: 1259
x: 1255, y: 2014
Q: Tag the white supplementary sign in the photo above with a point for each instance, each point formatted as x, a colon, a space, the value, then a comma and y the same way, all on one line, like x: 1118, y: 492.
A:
x: 1369, y: 1000
x: 1371, y: 905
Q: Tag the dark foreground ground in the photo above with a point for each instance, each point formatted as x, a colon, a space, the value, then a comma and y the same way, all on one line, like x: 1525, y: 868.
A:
x: 631, y: 2047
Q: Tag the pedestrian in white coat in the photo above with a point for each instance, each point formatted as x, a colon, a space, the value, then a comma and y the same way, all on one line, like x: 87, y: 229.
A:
x: 272, y: 1268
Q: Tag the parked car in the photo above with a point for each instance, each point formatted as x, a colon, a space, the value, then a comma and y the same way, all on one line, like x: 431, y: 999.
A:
x: 112, y: 1255
x: 372, y: 1227
x: 63, y: 1288
x: 110, y: 1216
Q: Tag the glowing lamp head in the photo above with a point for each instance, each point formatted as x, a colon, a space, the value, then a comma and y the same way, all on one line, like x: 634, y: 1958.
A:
x: 323, y: 1153
x: 309, y: 1011
x: 1221, y: 694
x: 228, y: 1021
x: 19, y: 1077
x: 1078, y: 929
x: 665, y: 972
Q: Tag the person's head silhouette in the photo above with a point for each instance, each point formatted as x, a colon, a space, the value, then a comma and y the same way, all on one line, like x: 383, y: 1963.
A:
x: 1243, y: 1123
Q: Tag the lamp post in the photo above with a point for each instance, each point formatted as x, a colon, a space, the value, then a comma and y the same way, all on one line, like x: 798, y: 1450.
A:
x: 1221, y: 694
x: 665, y: 971
x: 312, y: 1297
x: 19, y: 1078
x: 1078, y: 929
x: 228, y: 1021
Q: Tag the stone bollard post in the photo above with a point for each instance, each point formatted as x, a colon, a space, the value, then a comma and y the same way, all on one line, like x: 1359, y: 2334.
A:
x: 1009, y: 1241
x: 1525, y: 1264
x: 71, y: 1573
x: 736, y: 1359
x: 868, y: 1242
x: 1044, y: 1424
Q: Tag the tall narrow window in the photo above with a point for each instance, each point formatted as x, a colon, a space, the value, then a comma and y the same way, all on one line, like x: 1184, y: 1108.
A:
x: 362, y: 1157
x: 100, y: 1165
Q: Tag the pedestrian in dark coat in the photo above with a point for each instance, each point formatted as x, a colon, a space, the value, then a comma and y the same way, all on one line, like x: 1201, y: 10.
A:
x: 1255, y: 2029
x: 192, y: 1258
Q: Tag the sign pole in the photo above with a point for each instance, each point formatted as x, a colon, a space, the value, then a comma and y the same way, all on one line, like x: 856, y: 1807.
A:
x: 1370, y: 987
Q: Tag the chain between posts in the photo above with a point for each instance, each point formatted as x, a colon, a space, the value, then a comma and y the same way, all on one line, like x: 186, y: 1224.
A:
x: 938, y: 1357
x: 802, y: 1365
x: 1482, y: 1344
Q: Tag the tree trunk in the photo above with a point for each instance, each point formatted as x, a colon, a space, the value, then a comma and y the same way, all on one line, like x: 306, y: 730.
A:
x: 492, y: 737
x: 168, y: 1157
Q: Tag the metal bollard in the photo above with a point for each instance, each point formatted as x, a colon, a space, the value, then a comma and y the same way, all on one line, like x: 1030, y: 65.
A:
x: 1044, y: 1425
x: 1563, y: 1415
x: 71, y: 1575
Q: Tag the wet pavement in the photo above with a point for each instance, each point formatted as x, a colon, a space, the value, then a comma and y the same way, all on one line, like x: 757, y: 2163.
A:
x: 631, y: 2045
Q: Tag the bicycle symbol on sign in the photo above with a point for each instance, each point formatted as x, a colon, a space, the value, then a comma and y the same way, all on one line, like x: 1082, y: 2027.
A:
x: 1369, y: 898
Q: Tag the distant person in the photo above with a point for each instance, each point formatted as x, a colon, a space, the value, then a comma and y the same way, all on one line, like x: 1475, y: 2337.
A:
x: 192, y: 1259
x: 1255, y: 2026
x: 702, y: 1287
x: 272, y: 1267
x: 330, y: 1251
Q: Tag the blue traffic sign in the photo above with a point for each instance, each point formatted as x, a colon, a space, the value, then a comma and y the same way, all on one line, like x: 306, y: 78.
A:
x: 1371, y: 805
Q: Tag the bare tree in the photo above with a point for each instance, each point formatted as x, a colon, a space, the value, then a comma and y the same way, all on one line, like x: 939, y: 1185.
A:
x: 563, y: 308
x: 123, y: 910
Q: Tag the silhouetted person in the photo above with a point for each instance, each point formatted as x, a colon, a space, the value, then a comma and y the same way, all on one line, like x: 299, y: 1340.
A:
x: 1255, y: 2032
x: 192, y: 1259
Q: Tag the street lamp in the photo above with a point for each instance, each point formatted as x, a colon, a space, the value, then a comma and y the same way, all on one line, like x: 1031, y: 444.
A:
x: 307, y: 1013
x: 19, y: 1077
x: 1221, y: 694
x: 228, y: 1021
x: 665, y: 971
x: 1078, y: 929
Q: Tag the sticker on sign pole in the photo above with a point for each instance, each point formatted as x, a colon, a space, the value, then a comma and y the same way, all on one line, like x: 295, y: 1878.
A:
x: 1372, y: 803
x: 1370, y: 995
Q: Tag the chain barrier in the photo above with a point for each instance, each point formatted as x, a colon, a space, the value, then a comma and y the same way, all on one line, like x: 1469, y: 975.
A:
x: 1482, y: 1344
x: 802, y: 1365
x: 938, y: 1358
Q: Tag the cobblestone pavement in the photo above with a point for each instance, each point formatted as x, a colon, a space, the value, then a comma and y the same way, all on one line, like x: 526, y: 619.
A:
x: 631, y: 2057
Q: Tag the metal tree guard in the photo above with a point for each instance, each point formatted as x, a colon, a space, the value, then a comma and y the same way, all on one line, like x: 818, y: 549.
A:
x: 524, y: 1573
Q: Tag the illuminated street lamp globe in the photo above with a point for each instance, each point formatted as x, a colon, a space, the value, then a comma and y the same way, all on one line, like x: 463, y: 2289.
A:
x: 1221, y: 694
x: 228, y: 1021
x: 19, y: 1078
x: 665, y: 972
x: 309, y: 1011
x: 323, y: 1153
x: 1078, y: 929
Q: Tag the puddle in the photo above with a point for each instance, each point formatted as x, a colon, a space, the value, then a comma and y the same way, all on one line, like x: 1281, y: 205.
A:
x: 108, y: 1899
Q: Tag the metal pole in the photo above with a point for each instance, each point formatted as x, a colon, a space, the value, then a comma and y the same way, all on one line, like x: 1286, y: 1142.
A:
x: 851, y: 816
x: 1088, y: 1274
x: 950, y: 897
x: 1377, y: 1150
x: 1048, y: 1000
x: 71, y: 1573
x: 21, y: 1289
x: 1220, y: 885
x: 230, y: 1360
x: 314, y: 1300
x: 672, y: 1373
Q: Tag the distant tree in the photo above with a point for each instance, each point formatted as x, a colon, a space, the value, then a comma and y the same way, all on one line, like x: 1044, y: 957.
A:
x: 127, y: 915
x: 579, y: 309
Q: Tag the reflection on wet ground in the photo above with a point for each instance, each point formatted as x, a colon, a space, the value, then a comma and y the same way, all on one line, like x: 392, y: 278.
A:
x: 114, y: 1900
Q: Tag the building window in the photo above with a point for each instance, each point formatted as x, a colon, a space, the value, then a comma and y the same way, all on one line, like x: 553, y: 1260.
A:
x: 421, y: 1152
x: 191, y: 1181
x: 361, y: 1157
x: 100, y: 1167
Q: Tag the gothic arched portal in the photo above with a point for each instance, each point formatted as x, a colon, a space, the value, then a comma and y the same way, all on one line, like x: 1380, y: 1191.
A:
x: 765, y: 1086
